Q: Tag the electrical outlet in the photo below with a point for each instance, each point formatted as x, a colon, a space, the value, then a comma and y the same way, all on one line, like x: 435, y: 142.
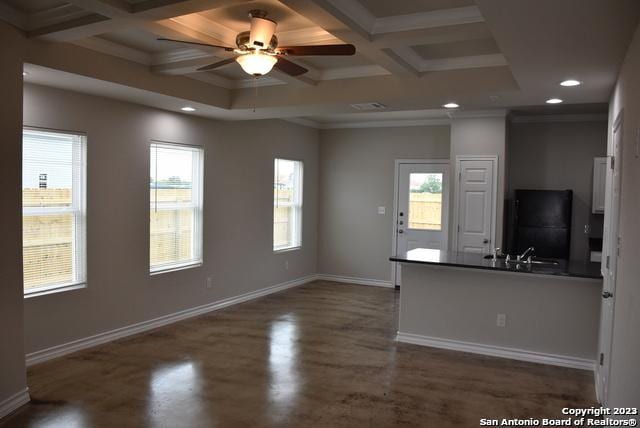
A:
x: 587, y: 229
x: 286, y: 264
x: 501, y: 320
x: 209, y: 282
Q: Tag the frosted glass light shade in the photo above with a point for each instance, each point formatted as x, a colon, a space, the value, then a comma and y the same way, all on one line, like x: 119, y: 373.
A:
x: 256, y: 64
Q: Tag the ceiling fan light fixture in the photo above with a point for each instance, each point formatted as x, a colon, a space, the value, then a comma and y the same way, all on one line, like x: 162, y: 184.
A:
x: 257, y: 64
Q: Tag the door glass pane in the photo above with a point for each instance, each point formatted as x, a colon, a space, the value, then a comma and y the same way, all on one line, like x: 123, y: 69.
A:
x: 425, y: 201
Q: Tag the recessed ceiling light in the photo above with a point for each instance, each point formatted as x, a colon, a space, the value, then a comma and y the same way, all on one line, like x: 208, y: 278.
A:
x: 187, y: 108
x: 451, y: 105
x: 554, y: 101
x: 570, y: 82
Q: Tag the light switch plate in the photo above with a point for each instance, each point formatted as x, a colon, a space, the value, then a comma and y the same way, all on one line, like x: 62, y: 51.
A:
x: 382, y: 210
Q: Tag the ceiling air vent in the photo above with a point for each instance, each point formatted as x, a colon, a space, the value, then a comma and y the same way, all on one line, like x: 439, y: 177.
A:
x: 369, y: 106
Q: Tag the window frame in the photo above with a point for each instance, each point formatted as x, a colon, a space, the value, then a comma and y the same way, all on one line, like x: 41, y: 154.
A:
x: 79, y: 211
x: 197, y: 243
x: 298, y: 205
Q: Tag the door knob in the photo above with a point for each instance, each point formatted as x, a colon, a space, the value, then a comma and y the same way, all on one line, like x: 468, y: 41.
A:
x: 485, y: 241
x: 400, y: 231
x: 607, y: 294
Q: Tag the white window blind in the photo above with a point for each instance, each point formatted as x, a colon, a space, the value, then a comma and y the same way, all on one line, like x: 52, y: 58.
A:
x: 53, y: 209
x: 176, y: 207
x: 287, y: 204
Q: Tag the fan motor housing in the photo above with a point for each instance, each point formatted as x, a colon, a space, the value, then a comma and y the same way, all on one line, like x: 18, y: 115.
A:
x: 243, y: 42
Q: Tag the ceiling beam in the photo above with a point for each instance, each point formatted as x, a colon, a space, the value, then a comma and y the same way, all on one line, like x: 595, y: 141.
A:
x: 333, y: 20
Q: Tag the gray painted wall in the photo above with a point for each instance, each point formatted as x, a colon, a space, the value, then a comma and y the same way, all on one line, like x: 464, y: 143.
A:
x: 559, y: 156
x: 238, y: 206
x: 468, y: 302
x: 624, y: 388
x: 12, y: 368
x: 357, y: 168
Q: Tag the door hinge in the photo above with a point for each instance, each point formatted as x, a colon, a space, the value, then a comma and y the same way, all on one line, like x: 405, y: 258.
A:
x: 608, y: 261
x: 613, y: 162
x: 601, y: 358
x: 458, y: 228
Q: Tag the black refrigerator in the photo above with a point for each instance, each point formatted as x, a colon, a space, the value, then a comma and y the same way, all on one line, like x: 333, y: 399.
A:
x: 542, y: 219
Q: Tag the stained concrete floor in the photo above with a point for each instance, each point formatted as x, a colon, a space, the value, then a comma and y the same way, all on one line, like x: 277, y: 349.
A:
x: 320, y: 355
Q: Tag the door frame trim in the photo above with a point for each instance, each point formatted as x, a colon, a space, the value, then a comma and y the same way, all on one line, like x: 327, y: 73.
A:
x: 394, y: 220
x: 456, y: 193
x: 614, y: 219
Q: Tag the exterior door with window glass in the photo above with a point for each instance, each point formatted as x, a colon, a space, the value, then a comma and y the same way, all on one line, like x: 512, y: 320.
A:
x: 422, y: 212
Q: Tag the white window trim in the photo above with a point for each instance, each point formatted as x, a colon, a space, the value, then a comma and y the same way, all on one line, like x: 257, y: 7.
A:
x: 297, y: 212
x: 197, y: 243
x: 80, y: 220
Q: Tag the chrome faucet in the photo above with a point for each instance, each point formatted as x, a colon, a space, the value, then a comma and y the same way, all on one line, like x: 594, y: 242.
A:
x: 526, y: 253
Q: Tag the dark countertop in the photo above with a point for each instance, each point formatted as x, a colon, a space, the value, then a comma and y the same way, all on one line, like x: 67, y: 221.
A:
x: 477, y: 261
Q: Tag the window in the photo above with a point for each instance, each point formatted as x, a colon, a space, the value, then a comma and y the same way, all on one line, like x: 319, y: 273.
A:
x: 53, y: 210
x: 176, y: 207
x: 425, y: 201
x: 287, y: 204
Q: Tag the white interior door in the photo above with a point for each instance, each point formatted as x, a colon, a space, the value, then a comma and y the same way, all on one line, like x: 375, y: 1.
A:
x: 422, y: 212
x: 609, y: 261
x: 476, y: 205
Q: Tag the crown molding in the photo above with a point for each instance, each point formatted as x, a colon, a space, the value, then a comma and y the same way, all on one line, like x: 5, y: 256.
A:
x: 385, y: 123
x: 114, y: 49
x: 363, y: 17
x: 13, y: 16
x: 352, y: 72
x: 197, y: 22
x: 302, y: 121
x: 176, y: 55
x: 411, y: 57
x: 473, y: 114
x: 558, y: 118
x: 433, y: 19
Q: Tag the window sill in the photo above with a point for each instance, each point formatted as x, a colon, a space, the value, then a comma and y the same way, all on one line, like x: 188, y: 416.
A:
x: 55, y: 290
x: 175, y: 268
x: 286, y: 250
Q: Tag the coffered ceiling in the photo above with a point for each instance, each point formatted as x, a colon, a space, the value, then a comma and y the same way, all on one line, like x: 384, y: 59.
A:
x: 412, y: 56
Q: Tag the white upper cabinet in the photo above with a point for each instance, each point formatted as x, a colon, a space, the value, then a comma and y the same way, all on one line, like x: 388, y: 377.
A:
x: 599, y: 179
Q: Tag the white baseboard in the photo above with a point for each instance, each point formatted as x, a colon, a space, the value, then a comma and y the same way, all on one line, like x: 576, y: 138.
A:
x: 108, y: 336
x: 498, y: 351
x: 14, y: 402
x: 352, y: 280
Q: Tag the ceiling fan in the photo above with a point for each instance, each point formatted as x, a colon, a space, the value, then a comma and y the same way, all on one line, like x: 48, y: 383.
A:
x: 258, y: 50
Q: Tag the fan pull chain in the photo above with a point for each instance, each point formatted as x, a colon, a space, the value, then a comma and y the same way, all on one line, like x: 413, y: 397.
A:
x: 255, y: 98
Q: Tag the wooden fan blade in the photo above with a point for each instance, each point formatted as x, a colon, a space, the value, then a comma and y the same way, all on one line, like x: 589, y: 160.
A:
x: 318, y: 50
x: 217, y: 64
x: 226, y: 48
x: 289, y: 67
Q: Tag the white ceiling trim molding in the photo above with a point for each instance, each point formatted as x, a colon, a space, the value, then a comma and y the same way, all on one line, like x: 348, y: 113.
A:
x: 305, y: 36
x: 474, y: 61
x: 433, y: 19
x: 385, y: 123
x: 472, y: 114
x: 302, y: 121
x: 55, y: 15
x: 262, y: 81
x: 115, y: 49
x: 359, y: 14
x: 212, y: 79
x: 551, y: 118
x: 180, y: 55
x: 353, y: 72
x: 410, y: 56
x: 203, y: 25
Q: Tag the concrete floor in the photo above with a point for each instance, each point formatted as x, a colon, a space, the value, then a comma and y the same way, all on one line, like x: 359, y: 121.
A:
x: 320, y: 355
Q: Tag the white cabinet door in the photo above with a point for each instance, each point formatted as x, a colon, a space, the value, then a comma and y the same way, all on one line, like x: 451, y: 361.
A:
x: 476, y: 202
x: 599, y: 181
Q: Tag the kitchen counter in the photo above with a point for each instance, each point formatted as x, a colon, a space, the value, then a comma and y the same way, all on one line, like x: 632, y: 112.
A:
x: 477, y: 261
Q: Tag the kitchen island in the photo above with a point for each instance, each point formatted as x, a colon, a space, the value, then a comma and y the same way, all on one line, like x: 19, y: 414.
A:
x: 547, y: 313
